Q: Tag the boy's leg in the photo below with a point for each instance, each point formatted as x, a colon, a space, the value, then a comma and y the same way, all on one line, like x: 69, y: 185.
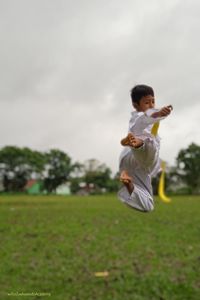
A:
x: 136, y: 192
x: 127, y: 181
x: 140, y: 199
x: 145, y: 151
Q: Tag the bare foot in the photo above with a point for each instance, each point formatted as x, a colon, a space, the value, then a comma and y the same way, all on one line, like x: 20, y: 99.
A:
x: 132, y: 141
x: 127, y: 181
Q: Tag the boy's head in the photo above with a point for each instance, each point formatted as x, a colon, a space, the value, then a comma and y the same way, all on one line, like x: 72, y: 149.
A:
x: 142, y: 97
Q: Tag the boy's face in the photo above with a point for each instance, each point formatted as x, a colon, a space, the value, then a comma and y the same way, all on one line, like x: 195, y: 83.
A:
x: 146, y: 102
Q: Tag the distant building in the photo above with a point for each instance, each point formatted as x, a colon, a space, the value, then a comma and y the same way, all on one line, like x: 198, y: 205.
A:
x: 63, y: 189
x: 33, y: 187
x: 86, y: 189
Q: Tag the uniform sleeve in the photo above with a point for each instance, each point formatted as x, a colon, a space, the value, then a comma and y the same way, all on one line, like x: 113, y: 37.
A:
x: 143, y: 120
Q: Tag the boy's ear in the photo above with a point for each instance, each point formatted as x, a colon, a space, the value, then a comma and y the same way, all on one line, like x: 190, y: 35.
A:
x: 135, y: 105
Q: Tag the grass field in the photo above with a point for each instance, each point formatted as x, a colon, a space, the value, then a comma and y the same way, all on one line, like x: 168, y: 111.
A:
x: 54, y: 245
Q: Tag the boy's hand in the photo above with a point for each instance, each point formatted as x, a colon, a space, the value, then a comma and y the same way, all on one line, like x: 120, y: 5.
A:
x: 163, y: 112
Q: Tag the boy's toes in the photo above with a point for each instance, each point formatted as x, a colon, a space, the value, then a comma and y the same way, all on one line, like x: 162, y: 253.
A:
x: 125, y: 141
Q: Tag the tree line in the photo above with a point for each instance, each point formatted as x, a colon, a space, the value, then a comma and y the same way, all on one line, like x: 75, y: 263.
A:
x: 54, y: 167
x: 184, y: 177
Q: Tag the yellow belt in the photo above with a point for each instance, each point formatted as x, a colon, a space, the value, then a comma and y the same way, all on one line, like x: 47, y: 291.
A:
x: 161, y: 185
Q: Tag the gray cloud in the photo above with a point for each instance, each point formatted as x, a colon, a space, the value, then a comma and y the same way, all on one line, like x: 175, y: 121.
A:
x: 67, y: 68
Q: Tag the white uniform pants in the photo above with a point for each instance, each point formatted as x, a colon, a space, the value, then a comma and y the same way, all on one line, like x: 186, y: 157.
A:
x: 140, y: 164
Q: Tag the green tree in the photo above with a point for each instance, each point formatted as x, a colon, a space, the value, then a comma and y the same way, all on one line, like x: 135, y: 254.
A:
x: 114, y: 183
x: 58, y: 167
x: 188, y: 167
x: 98, y: 174
x: 76, y: 177
x: 17, y: 165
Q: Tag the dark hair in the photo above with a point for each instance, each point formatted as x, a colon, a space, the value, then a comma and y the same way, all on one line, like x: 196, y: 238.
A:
x: 140, y: 91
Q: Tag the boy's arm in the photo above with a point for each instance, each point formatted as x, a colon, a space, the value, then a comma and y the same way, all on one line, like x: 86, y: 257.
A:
x: 151, y: 116
x: 163, y: 112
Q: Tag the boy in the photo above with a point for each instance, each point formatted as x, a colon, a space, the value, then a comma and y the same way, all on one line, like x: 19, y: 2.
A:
x: 139, y: 160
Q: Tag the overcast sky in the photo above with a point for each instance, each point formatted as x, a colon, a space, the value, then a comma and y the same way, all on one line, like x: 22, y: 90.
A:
x: 67, y: 67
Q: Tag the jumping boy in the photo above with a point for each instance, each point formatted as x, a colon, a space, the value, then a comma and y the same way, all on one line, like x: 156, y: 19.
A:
x: 139, y: 160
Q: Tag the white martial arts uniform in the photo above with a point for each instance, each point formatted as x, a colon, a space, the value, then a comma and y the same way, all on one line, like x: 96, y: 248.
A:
x: 141, y: 163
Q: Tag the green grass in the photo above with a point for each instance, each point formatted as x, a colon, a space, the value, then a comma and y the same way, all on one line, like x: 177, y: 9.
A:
x: 55, y: 244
